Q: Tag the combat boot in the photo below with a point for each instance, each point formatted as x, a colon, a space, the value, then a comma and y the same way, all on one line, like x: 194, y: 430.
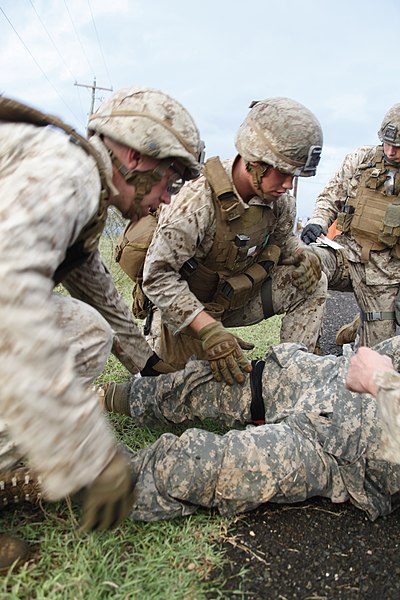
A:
x: 13, y: 551
x: 16, y: 487
x: 114, y: 397
x: 348, y: 332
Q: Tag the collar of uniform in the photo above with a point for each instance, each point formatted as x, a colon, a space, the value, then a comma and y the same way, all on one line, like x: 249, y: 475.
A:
x: 102, y: 150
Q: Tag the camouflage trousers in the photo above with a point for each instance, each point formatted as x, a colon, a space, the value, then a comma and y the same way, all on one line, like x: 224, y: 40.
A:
x: 90, y: 339
x: 301, y: 322
x: 319, y: 439
x: 370, y: 298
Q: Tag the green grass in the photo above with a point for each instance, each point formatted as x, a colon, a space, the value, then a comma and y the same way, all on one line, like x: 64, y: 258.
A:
x: 169, y: 560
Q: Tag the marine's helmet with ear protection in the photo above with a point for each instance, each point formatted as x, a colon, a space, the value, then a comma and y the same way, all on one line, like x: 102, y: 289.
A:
x: 154, y: 124
x: 282, y: 133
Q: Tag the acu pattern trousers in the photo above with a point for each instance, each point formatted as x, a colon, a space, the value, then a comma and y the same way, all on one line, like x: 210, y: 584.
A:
x: 319, y: 439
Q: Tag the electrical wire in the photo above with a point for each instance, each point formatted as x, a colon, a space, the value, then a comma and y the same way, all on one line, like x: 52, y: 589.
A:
x: 78, y: 38
x: 58, y: 52
x: 100, y: 46
x: 38, y: 65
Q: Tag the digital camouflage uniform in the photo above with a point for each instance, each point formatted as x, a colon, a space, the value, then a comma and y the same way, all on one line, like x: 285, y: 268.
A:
x: 319, y: 439
x: 375, y: 283
x: 50, y: 190
x: 187, y: 230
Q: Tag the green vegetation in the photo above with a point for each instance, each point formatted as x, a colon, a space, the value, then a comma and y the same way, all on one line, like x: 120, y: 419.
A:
x: 164, y: 560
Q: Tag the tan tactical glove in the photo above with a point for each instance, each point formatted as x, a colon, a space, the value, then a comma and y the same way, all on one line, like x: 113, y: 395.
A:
x: 109, y: 499
x: 227, y: 360
x: 307, y: 272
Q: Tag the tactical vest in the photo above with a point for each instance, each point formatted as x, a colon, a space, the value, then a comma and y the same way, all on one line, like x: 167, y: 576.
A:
x: 130, y: 253
x: 240, y: 259
x: 88, y: 239
x: 372, y: 217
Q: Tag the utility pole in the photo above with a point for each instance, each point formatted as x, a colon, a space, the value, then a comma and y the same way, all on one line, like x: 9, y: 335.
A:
x: 93, y: 87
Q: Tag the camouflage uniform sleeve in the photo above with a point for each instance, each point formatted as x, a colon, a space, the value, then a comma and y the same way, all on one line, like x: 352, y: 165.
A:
x: 283, y: 235
x: 49, y: 191
x: 92, y: 283
x: 186, y: 230
x: 343, y: 184
x: 388, y: 400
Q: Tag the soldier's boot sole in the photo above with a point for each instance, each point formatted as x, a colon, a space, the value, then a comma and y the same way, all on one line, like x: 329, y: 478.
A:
x: 348, y: 332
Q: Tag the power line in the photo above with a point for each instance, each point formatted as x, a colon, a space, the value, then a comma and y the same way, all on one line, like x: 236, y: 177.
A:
x: 78, y: 38
x: 56, y: 49
x: 38, y: 65
x: 100, y: 46
x: 52, y: 40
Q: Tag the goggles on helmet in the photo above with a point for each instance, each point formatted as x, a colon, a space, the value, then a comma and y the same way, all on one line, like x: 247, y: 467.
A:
x: 313, y: 158
x: 176, y: 181
x: 389, y: 134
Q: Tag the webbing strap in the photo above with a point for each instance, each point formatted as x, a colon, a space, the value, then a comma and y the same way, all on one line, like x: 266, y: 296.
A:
x: 266, y: 299
x: 378, y: 316
x: 257, y: 407
x: 222, y: 189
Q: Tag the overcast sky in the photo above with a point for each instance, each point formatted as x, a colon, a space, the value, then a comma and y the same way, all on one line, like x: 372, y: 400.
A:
x: 215, y: 57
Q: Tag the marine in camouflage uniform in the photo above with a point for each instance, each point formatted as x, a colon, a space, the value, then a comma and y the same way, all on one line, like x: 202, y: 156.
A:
x: 319, y: 439
x: 363, y: 195
x: 279, y: 139
x: 55, y: 189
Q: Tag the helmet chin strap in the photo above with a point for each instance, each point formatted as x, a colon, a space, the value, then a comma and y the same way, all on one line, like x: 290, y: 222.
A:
x: 142, y: 180
x: 257, y: 172
x: 392, y: 163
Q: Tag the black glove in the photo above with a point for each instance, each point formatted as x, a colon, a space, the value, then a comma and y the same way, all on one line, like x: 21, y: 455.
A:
x: 311, y: 232
x: 155, y: 366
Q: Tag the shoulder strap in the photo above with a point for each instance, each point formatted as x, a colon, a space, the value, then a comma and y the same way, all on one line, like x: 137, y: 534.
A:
x: 222, y: 188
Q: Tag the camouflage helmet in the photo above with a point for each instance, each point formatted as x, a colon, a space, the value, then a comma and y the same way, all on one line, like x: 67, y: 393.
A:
x: 152, y: 123
x: 390, y: 128
x: 282, y: 133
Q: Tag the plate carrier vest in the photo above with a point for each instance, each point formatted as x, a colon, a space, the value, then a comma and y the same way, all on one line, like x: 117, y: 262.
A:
x: 240, y: 259
x: 373, y: 217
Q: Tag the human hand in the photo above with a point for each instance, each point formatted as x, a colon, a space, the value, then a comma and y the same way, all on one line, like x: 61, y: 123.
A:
x: 223, y: 351
x: 155, y: 366
x: 307, y: 270
x: 363, y: 365
x: 311, y: 232
x: 109, y: 499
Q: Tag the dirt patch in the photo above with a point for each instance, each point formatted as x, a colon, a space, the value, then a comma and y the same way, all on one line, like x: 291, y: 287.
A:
x: 316, y: 550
